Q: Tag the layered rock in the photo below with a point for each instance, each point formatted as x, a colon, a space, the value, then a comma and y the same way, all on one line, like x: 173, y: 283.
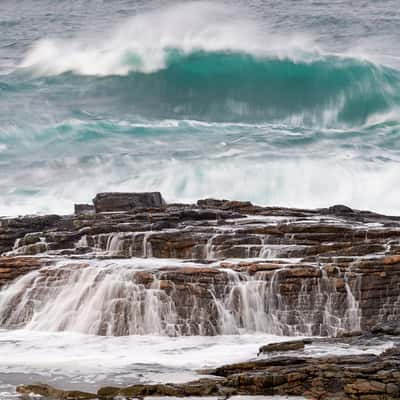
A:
x: 112, y: 202
x: 294, y: 271
x: 362, y: 377
x: 14, y: 267
x: 131, y: 264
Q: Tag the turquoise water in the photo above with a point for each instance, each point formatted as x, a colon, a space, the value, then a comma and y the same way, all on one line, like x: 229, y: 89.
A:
x: 282, y: 104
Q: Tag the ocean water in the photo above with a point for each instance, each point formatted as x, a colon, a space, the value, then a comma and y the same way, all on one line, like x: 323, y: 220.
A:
x: 278, y: 102
x: 86, y: 362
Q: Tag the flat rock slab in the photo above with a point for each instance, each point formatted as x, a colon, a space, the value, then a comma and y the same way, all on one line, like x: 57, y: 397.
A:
x: 113, y: 202
x: 284, y: 346
x: 13, y: 267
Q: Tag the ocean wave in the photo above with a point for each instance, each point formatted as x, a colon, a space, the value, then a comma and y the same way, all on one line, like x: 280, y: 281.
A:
x: 237, y: 87
x: 204, y: 61
x: 143, y: 42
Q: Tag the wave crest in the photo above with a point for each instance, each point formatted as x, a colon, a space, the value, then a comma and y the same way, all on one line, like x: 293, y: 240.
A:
x: 210, y: 62
x: 142, y: 43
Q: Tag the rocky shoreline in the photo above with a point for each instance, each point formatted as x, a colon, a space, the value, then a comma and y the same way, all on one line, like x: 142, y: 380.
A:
x: 228, y: 267
x: 363, y: 377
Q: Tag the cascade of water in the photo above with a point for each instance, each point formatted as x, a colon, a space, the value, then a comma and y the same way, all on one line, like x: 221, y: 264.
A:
x: 265, y: 251
x: 147, y: 249
x: 353, y: 312
x: 40, y: 245
x: 117, y: 299
x: 107, y: 301
x: 16, y: 244
x: 245, y: 305
x: 82, y: 242
x: 209, y: 253
x: 327, y: 291
x: 120, y: 244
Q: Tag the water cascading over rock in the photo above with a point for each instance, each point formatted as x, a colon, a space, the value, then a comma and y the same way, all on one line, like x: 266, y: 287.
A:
x: 218, y: 267
x: 117, y: 299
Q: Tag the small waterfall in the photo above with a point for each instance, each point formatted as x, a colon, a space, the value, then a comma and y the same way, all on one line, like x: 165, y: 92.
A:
x: 119, y: 244
x: 147, y: 249
x: 209, y: 248
x: 118, y: 299
x: 267, y: 302
x: 37, y: 246
x: 107, y: 300
x: 353, y: 312
x: 327, y: 289
x: 82, y: 242
x: 244, y: 306
x: 390, y: 304
x: 16, y: 244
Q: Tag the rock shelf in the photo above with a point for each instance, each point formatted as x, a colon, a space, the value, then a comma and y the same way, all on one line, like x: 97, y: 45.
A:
x: 227, y: 267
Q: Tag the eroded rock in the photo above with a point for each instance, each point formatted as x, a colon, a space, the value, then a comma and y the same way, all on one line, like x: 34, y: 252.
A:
x: 114, y: 201
x: 362, y: 377
x: 284, y: 346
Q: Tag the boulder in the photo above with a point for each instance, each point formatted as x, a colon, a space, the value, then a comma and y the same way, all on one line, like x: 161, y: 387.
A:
x: 339, y: 209
x: 391, y: 328
x: 84, y: 209
x: 114, y: 201
x: 51, y: 392
x: 284, y: 346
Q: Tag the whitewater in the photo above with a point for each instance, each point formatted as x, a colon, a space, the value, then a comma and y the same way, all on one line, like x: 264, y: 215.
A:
x: 253, y: 102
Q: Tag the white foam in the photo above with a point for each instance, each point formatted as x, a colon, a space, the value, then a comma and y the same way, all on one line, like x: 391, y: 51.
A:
x: 298, y: 182
x: 129, y: 359
x: 142, y: 42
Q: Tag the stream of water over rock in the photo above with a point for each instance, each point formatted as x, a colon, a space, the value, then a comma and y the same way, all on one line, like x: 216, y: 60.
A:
x: 132, y: 298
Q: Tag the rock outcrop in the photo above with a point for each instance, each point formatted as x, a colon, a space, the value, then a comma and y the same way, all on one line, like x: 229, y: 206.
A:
x: 284, y: 346
x: 317, y: 272
x: 13, y: 267
x: 227, y: 267
x: 114, y: 202
x: 361, y: 377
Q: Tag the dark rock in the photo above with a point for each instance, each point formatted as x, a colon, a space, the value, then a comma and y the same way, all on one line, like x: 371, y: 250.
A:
x: 83, y: 209
x: 211, y: 203
x: 202, y: 387
x: 358, y: 256
x: 113, y: 202
x: 391, y: 328
x: 13, y: 267
x: 51, y: 392
x: 350, y: 334
x: 284, y: 346
x: 339, y: 209
x: 364, y: 377
x: 226, y: 204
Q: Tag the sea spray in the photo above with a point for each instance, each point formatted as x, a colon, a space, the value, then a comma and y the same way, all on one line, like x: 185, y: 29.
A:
x: 194, y: 99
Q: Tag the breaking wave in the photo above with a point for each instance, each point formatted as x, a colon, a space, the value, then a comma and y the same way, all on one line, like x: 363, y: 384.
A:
x: 200, y: 61
x: 194, y: 100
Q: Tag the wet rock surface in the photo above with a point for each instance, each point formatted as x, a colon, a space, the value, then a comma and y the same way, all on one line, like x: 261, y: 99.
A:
x: 284, y: 346
x: 13, y: 267
x: 234, y: 267
x: 362, y: 377
x: 114, y: 202
x: 319, y: 272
